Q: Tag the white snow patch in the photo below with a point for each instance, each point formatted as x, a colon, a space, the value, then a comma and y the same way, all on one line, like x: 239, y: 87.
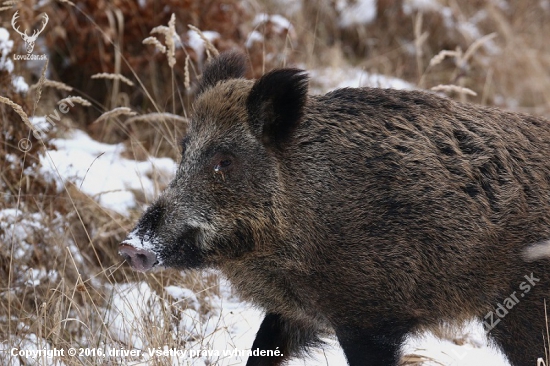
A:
x: 331, y: 78
x: 11, y: 158
x: 5, y: 48
x: 197, y: 44
x: 42, y: 125
x: 188, y: 321
x: 410, y: 6
x: 6, y: 45
x: 280, y: 23
x: 99, y: 170
x: 361, y: 12
x: 35, y: 276
x: 180, y: 293
x: 29, y: 342
x: 17, y: 228
x: 75, y: 252
x: 20, y: 84
x: 253, y: 37
x: 474, y: 352
x: 133, y: 310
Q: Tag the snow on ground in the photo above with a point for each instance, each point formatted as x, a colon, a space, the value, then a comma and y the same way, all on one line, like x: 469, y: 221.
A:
x: 6, y: 45
x: 28, y: 343
x: 327, y: 79
x: 360, y: 12
x: 474, y: 352
x: 195, y: 41
x: 231, y: 326
x: 225, y: 335
x: 17, y: 237
x: 17, y: 229
x: 99, y: 170
x: 280, y: 23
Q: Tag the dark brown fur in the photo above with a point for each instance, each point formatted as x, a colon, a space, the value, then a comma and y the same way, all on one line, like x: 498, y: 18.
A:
x: 375, y: 213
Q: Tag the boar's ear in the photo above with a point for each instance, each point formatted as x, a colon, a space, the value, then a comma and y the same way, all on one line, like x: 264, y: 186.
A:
x: 275, y: 104
x: 228, y: 65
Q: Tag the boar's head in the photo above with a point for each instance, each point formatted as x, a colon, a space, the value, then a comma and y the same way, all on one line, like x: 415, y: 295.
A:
x: 227, y: 198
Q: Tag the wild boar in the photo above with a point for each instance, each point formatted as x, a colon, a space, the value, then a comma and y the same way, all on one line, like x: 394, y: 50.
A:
x: 370, y: 213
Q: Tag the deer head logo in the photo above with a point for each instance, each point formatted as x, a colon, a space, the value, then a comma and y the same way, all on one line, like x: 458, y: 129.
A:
x: 29, y: 40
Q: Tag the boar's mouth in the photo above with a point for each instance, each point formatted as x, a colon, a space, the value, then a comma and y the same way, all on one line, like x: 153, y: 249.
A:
x: 141, y: 260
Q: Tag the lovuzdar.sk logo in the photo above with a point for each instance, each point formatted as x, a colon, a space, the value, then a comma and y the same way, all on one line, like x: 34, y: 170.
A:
x: 29, y: 39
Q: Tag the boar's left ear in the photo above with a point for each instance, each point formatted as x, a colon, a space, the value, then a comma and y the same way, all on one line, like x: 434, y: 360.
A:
x: 275, y: 104
x: 228, y: 65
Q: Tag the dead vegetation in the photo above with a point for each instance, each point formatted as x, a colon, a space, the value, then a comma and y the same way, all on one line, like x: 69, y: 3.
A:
x: 138, y: 93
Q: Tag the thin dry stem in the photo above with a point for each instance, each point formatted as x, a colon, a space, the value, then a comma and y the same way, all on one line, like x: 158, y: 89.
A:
x: 157, y: 117
x: 17, y: 108
x: 455, y: 89
x: 437, y: 59
x: 52, y: 84
x: 120, y: 111
x: 154, y: 41
x: 474, y: 46
x: 170, y: 41
x: 40, y: 85
x: 187, y: 81
x: 209, y: 46
x: 419, y: 40
x: 74, y: 99
x: 109, y: 76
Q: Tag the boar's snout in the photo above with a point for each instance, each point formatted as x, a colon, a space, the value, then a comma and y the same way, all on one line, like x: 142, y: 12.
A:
x: 140, y: 259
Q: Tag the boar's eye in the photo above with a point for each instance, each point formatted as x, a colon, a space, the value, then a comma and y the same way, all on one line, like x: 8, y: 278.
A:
x: 222, y: 165
x: 225, y: 163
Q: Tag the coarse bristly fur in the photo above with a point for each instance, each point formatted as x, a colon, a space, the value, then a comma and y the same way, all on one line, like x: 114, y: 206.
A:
x: 373, y: 213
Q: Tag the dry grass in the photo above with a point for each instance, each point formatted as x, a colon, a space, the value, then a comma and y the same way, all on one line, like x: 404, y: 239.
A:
x: 98, y: 54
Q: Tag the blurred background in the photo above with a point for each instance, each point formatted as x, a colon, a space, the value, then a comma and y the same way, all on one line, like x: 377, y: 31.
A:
x: 90, y: 137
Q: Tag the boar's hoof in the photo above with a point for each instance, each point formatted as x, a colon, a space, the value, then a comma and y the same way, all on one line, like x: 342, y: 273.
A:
x: 140, y: 259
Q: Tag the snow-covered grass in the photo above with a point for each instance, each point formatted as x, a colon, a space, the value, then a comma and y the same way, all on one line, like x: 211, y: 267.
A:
x: 100, y: 171
x: 67, y: 204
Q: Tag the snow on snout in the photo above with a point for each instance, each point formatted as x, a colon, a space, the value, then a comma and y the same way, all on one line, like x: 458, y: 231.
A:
x: 146, y: 242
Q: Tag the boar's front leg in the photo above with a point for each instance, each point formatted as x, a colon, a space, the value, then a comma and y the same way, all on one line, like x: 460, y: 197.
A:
x: 288, y: 337
x: 380, y: 347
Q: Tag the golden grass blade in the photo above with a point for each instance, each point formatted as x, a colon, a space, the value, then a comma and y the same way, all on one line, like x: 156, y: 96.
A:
x: 109, y: 76
x: 40, y: 85
x: 75, y: 99
x: 52, y: 84
x: 455, y: 89
x: 155, y: 42
x: 156, y: 117
x: 17, y: 108
x: 209, y: 46
x: 120, y: 111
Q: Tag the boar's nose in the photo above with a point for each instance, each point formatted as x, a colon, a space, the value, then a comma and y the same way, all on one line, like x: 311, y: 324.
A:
x: 140, y: 259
